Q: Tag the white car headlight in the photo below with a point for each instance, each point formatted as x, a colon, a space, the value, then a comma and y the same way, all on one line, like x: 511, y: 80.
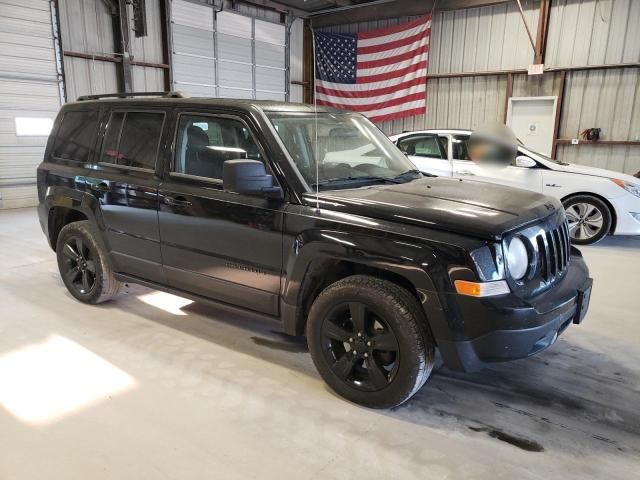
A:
x: 517, y: 259
x: 632, y: 188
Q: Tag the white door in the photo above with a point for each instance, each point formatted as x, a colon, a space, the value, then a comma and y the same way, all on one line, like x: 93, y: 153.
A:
x: 511, y: 176
x: 428, y: 153
x: 532, y: 120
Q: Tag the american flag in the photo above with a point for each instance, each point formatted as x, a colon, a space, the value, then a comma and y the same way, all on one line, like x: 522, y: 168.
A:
x: 381, y: 73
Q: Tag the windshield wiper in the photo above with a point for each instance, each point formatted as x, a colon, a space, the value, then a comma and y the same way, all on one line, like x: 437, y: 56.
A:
x: 365, y: 179
x: 413, y: 172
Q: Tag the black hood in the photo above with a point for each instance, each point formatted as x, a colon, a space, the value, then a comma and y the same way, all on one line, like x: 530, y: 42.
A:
x: 471, y: 208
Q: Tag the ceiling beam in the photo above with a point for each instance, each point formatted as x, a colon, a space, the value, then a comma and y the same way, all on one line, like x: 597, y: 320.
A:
x: 279, y: 7
x: 379, y: 10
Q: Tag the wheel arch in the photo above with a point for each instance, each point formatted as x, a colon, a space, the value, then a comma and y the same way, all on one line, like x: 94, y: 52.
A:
x: 58, y: 218
x: 63, y: 206
x: 612, y: 211
x: 319, y: 264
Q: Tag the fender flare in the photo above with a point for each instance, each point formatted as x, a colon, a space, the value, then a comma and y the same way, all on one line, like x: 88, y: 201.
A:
x: 83, y: 202
x: 313, y: 250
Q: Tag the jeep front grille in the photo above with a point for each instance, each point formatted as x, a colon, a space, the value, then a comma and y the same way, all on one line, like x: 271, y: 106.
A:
x: 553, y: 251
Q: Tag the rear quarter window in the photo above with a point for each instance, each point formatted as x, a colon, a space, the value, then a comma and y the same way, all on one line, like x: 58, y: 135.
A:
x: 75, y: 138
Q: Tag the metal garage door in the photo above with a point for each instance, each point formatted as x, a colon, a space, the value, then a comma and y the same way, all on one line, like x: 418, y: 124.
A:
x: 30, y: 93
x: 227, y: 55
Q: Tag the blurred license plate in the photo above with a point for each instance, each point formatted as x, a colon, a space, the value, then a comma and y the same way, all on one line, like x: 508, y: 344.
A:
x: 584, y: 295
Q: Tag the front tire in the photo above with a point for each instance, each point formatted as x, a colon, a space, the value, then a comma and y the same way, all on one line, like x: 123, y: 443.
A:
x: 83, y: 265
x: 589, y: 219
x: 370, y: 342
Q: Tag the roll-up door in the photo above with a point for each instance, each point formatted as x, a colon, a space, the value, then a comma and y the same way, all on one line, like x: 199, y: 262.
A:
x: 270, y: 53
x: 30, y: 95
x: 227, y: 54
x: 235, y: 48
x: 193, y: 48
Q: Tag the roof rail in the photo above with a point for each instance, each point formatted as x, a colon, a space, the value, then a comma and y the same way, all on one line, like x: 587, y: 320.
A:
x: 172, y: 94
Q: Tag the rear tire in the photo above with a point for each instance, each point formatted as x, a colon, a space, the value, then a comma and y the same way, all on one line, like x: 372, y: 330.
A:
x: 370, y: 342
x: 589, y: 219
x: 83, y: 264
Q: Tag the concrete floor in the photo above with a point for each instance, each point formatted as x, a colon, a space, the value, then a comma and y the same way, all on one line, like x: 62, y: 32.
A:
x: 152, y: 386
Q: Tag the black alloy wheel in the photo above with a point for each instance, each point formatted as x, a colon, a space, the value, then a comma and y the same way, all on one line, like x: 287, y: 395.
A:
x: 370, y: 341
x: 360, y: 347
x: 79, y: 265
x: 84, y: 264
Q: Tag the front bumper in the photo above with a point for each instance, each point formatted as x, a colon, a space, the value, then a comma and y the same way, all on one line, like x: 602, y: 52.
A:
x: 506, y: 328
x: 627, y: 209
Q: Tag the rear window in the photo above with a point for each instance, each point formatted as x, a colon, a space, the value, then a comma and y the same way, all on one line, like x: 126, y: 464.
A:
x: 422, y: 146
x: 76, y: 135
x: 133, y: 138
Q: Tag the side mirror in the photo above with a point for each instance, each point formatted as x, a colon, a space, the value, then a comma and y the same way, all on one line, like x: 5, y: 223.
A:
x: 525, y: 162
x: 248, y: 177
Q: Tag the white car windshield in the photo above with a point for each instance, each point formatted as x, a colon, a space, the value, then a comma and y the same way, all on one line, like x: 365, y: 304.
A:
x: 346, y: 148
x: 533, y: 153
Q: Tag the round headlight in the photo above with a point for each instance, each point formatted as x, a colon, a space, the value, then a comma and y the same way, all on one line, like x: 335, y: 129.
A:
x: 517, y: 259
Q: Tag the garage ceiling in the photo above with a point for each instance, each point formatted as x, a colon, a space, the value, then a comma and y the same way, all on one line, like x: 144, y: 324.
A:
x: 334, y: 12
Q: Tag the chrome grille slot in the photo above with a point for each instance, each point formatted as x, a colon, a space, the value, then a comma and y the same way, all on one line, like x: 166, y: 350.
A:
x: 543, y: 258
x: 553, y: 251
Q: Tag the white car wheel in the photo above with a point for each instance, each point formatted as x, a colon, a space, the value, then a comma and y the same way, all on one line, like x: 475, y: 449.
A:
x: 589, y: 219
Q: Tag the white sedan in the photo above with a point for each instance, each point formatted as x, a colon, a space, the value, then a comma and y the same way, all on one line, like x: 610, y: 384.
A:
x: 597, y: 201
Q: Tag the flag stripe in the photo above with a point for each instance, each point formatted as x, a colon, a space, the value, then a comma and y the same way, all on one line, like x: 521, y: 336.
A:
x: 395, y: 109
x: 368, y: 93
x: 394, y: 74
x: 388, y: 46
x: 367, y: 87
x: 352, y: 100
x: 367, y: 72
x: 374, y: 106
x: 388, y: 60
x: 392, y: 53
x: 393, y: 37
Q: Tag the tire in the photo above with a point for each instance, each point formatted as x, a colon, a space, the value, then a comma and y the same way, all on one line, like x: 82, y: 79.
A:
x: 589, y: 219
x: 83, y: 265
x: 396, y: 349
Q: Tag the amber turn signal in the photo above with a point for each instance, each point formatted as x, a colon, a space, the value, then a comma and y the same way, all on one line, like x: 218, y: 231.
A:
x: 481, y: 289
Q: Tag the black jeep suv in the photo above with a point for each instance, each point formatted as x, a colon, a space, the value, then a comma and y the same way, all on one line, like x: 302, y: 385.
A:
x: 313, y: 218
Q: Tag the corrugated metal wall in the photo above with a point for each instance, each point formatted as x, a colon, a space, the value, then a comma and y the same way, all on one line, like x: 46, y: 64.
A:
x: 481, y: 39
x: 29, y: 88
x: 590, y: 32
x: 493, y: 38
x: 86, y: 27
x: 148, y: 49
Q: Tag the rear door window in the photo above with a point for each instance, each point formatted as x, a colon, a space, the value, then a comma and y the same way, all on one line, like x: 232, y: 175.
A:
x: 422, y: 146
x: 459, y: 145
x: 133, y: 139
x: 76, y: 136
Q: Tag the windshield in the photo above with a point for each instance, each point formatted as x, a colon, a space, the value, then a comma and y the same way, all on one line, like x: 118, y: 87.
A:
x: 348, y: 149
x: 531, y: 152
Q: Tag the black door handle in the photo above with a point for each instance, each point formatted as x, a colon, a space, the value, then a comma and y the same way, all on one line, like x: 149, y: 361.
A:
x: 177, y: 202
x: 101, y: 187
